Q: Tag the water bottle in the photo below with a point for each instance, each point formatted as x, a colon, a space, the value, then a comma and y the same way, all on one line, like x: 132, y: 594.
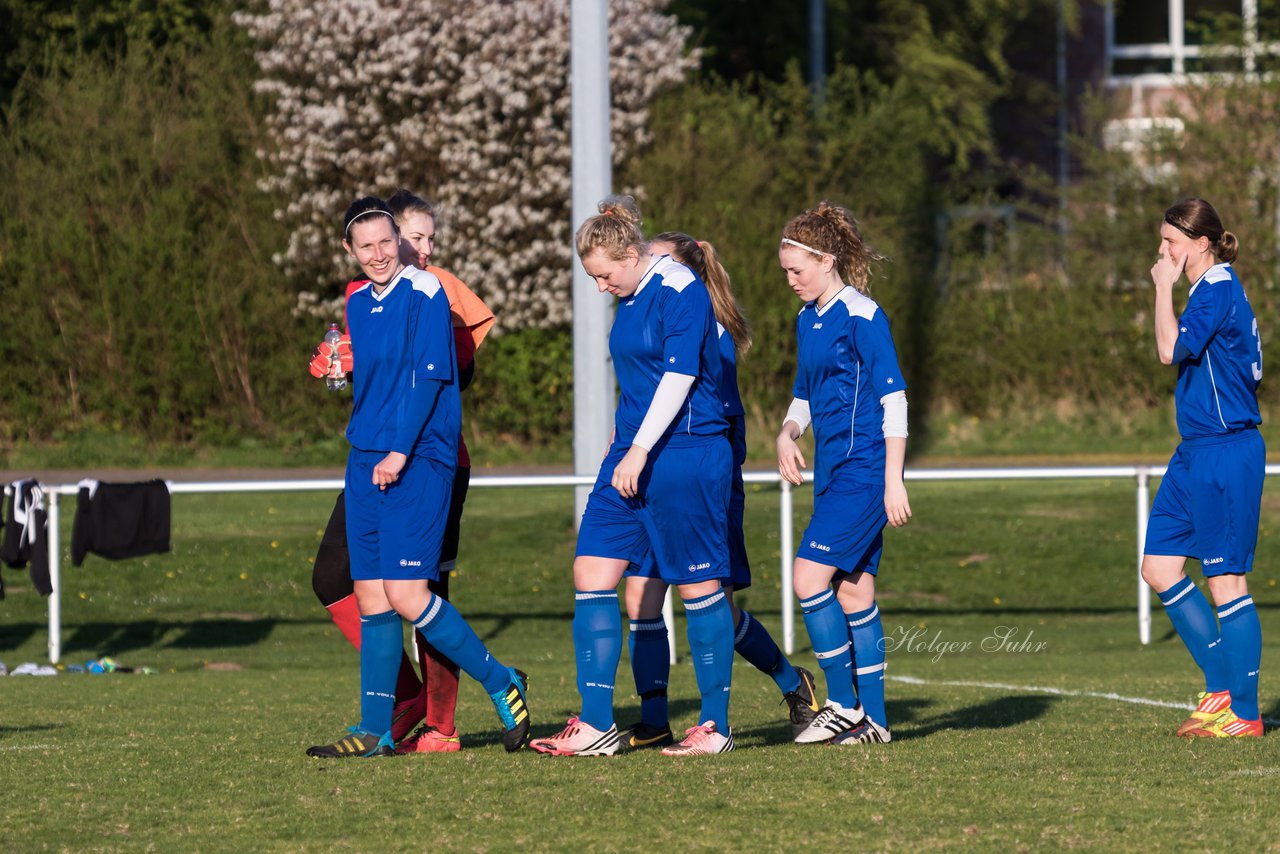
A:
x: 337, y: 379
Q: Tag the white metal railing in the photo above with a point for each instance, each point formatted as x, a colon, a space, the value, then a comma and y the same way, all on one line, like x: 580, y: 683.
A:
x: 1141, y: 474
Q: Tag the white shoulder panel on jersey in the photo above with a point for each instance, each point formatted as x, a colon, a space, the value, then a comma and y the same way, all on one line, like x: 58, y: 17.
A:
x: 858, y: 304
x: 422, y: 280
x: 720, y: 330
x: 1218, y: 273
x: 674, y: 274
x: 360, y: 289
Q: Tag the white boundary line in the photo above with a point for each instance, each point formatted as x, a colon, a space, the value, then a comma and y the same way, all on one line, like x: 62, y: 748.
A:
x: 1059, y: 692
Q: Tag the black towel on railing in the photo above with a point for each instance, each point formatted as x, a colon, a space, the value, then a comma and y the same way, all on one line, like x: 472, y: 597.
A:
x: 120, y: 520
x: 25, y: 535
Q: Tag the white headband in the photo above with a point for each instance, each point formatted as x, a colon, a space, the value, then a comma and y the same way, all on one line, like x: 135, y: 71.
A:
x: 347, y: 231
x: 806, y: 248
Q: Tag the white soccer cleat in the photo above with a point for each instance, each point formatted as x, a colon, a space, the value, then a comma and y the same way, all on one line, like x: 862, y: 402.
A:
x: 579, y: 739
x: 701, y: 740
x: 832, y: 722
x: 867, y: 732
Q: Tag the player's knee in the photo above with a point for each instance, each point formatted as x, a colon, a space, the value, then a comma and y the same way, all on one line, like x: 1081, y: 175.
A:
x: 853, y: 598
x: 1226, y: 588
x: 1160, y: 574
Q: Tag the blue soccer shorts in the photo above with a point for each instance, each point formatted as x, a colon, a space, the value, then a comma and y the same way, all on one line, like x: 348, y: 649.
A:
x: 739, y: 565
x: 847, y: 528
x: 397, y: 532
x: 1208, y: 502
x: 678, y: 520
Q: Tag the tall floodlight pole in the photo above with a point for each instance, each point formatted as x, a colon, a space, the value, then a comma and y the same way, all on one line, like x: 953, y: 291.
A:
x: 1063, y: 152
x: 818, y: 50
x: 592, y: 174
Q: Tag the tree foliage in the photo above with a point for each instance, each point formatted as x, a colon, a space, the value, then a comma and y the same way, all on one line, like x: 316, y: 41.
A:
x: 135, y: 247
x: 38, y: 36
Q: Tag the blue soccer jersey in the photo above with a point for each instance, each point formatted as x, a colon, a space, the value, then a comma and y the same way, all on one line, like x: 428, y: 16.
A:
x: 667, y: 325
x: 404, y: 369
x: 846, y: 363
x: 1219, y: 358
x: 731, y: 399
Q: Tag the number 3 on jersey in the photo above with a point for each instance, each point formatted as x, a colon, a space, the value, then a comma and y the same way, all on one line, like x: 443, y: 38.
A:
x: 1257, y: 366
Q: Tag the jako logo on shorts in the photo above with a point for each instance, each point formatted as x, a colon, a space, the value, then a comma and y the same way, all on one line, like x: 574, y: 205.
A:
x: 694, y: 567
x: 404, y: 562
x: 814, y: 544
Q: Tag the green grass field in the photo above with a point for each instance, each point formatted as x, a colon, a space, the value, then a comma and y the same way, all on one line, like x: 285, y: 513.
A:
x: 994, y: 749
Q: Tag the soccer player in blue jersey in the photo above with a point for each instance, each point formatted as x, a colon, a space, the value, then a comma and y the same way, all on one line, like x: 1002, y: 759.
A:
x: 645, y: 589
x: 404, y: 430
x: 850, y: 388
x: 430, y: 700
x: 1208, y: 503
x: 663, y: 487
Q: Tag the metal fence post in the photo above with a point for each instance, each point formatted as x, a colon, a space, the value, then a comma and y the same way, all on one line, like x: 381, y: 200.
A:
x: 669, y: 617
x: 54, y: 536
x: 1144, y: 592
x: 787, y: 548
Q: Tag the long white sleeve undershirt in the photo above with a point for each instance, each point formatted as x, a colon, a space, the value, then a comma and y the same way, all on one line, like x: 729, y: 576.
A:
x: 668, y: 400
x: 798, y: 412
x: 895, y: 414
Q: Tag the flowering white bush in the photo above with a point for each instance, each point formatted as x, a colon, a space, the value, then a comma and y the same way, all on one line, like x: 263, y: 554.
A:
x: 462, y: 101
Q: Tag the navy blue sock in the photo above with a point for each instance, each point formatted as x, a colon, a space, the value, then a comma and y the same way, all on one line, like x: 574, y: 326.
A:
x: 1194, y: 621
x: 651, y: 667
x: 597, y: 643
x: 446, y: 630
x: 867, y: 635
x: 711, y: 645
x: 1242, y: 648
x: 753, y: 642
x: 381, y: 644
x: 829, y: 637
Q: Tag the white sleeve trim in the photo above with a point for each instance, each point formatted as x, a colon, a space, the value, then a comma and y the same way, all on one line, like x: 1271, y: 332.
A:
x: 798, y: 412
x: 668, y: 400
x: 895, y: 414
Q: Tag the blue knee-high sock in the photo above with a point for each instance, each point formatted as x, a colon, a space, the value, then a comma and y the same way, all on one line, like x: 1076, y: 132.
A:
x: 753, y: 642
x: 829, y: 637
x: 446, y: 630
x: 597, y: 642
x: 867, y: 635
x: 1242, y: 648
x: 1193, y: 619
x: 381, y: 644
x: 651, y: 667
x: 711, y: 645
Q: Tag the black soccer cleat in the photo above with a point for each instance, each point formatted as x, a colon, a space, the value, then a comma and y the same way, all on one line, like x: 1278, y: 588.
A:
x: 640, y: 735
x: 802, y: 703
x: 356, y: 744
x: 513, y: 710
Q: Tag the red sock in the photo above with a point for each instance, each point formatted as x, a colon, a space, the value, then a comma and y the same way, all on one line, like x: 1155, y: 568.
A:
x: 346, y: 616
x: 440, y: 679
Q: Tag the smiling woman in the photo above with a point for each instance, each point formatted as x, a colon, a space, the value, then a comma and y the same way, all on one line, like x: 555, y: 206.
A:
x: 370, y: 236
x: 404, y: 430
